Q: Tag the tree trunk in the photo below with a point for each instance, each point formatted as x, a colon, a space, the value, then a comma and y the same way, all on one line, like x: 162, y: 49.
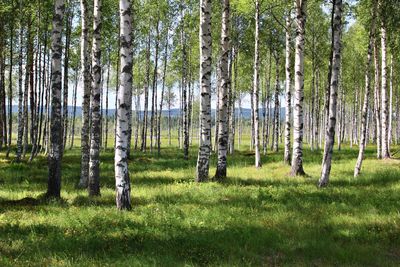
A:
x: 94, y: 160
x: 222, y: 100
x: 69, y: 18
x: 340, y: 115
x: 312, y: 111
x: 55, y: 153
x: 169, y: 116
x: 162, y: 93
x: 46, y: 129
x: 288, y: 110
x: 377, y: 102
x: 2, y: 94
x: 390, y: 104
x: 203, y: 158
x: 10, y: 86
x: 43, y: 96
x: 336, y: 61
x: 384, y: 96
x: 116, y: 90
x: 184, y: 84
x: 256, y: 86
x: 216, y: 129
x: 154, y: 89
x: 74, y: 110
x: 137, y: 118
x: 365, y: 109
x: 107, y: 90
x: 28, y: 69
x: 297, y: 160
x: 353, y: 125
x: 232, y: 120
x: 146, y: 96
x: 86, y: 80
x: 240, y: 119
x: 317, y: 112
x: 122, y: 180
x: 397, y: 131
x: 277, y: 106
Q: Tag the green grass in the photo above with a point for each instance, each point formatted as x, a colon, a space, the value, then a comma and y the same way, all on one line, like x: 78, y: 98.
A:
x: 257, y: 217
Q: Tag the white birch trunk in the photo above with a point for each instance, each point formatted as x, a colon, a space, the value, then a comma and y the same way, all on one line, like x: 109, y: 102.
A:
x: 55, y: 153
x: 377, y: 103
x: 20, y: 95
x: 288, y: 92
x: 256, y: 87
x: 277, y: 108
x: 223, y: 86
x: 390, y: 104
x: 203, y: 158
x: 122, y: 180
x: 384, y: 96
x: 94, y: 160
x: 86, y: 79
x: 364, y: 116
x: 298, y: 121
x: 334, y: 84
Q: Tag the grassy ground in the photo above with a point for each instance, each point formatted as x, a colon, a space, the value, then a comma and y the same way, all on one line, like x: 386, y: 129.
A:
x: 258, y: 217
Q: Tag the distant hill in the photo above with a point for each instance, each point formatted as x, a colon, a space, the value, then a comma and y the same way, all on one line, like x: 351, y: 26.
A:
x: 174, y: 112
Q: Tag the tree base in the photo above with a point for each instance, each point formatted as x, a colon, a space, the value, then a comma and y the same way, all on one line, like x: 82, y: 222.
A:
x: 298, y: 172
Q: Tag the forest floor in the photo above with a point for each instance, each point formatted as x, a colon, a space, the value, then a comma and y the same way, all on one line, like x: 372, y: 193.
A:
x: 257, y: 217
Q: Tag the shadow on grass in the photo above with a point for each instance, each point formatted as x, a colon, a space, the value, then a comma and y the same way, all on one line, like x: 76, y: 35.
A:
x: 85, y: 201
x: 110, y: 240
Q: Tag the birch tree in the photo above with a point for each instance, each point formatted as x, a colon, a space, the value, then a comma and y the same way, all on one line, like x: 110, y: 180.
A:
x: 20, y: 90
x: 55, y: 153
x: 288, y: 92
x: 377, y: 104
x: 223, y: 85
x: 203, y: 158
x: 334, y: 84
x: 384, y: 92
x: 10, y: 94
x: 86, y: 80
x: 69, y: 18
x: 364, y: 115
x: 95, y: 130
x: 298, y: 120
x: 277, y: 107
x: 122, y: 180
x: 256, y: 86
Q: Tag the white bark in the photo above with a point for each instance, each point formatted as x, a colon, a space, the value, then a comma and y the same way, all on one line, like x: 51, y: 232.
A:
x: 334, y: 84
x: 377, y: 103
x: 55, y: 153
x: 85, y: 75
x: 203, y: 158
x: 384, y: 96
x: 298, y: 120
x: 277, y: 108
x: 95, y: 130
x: 364, y: 116
x: 20, y: 95
x: 256, y: 87
x: 122, y: 180
x: 223, y: 86
x: 288, y: 91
